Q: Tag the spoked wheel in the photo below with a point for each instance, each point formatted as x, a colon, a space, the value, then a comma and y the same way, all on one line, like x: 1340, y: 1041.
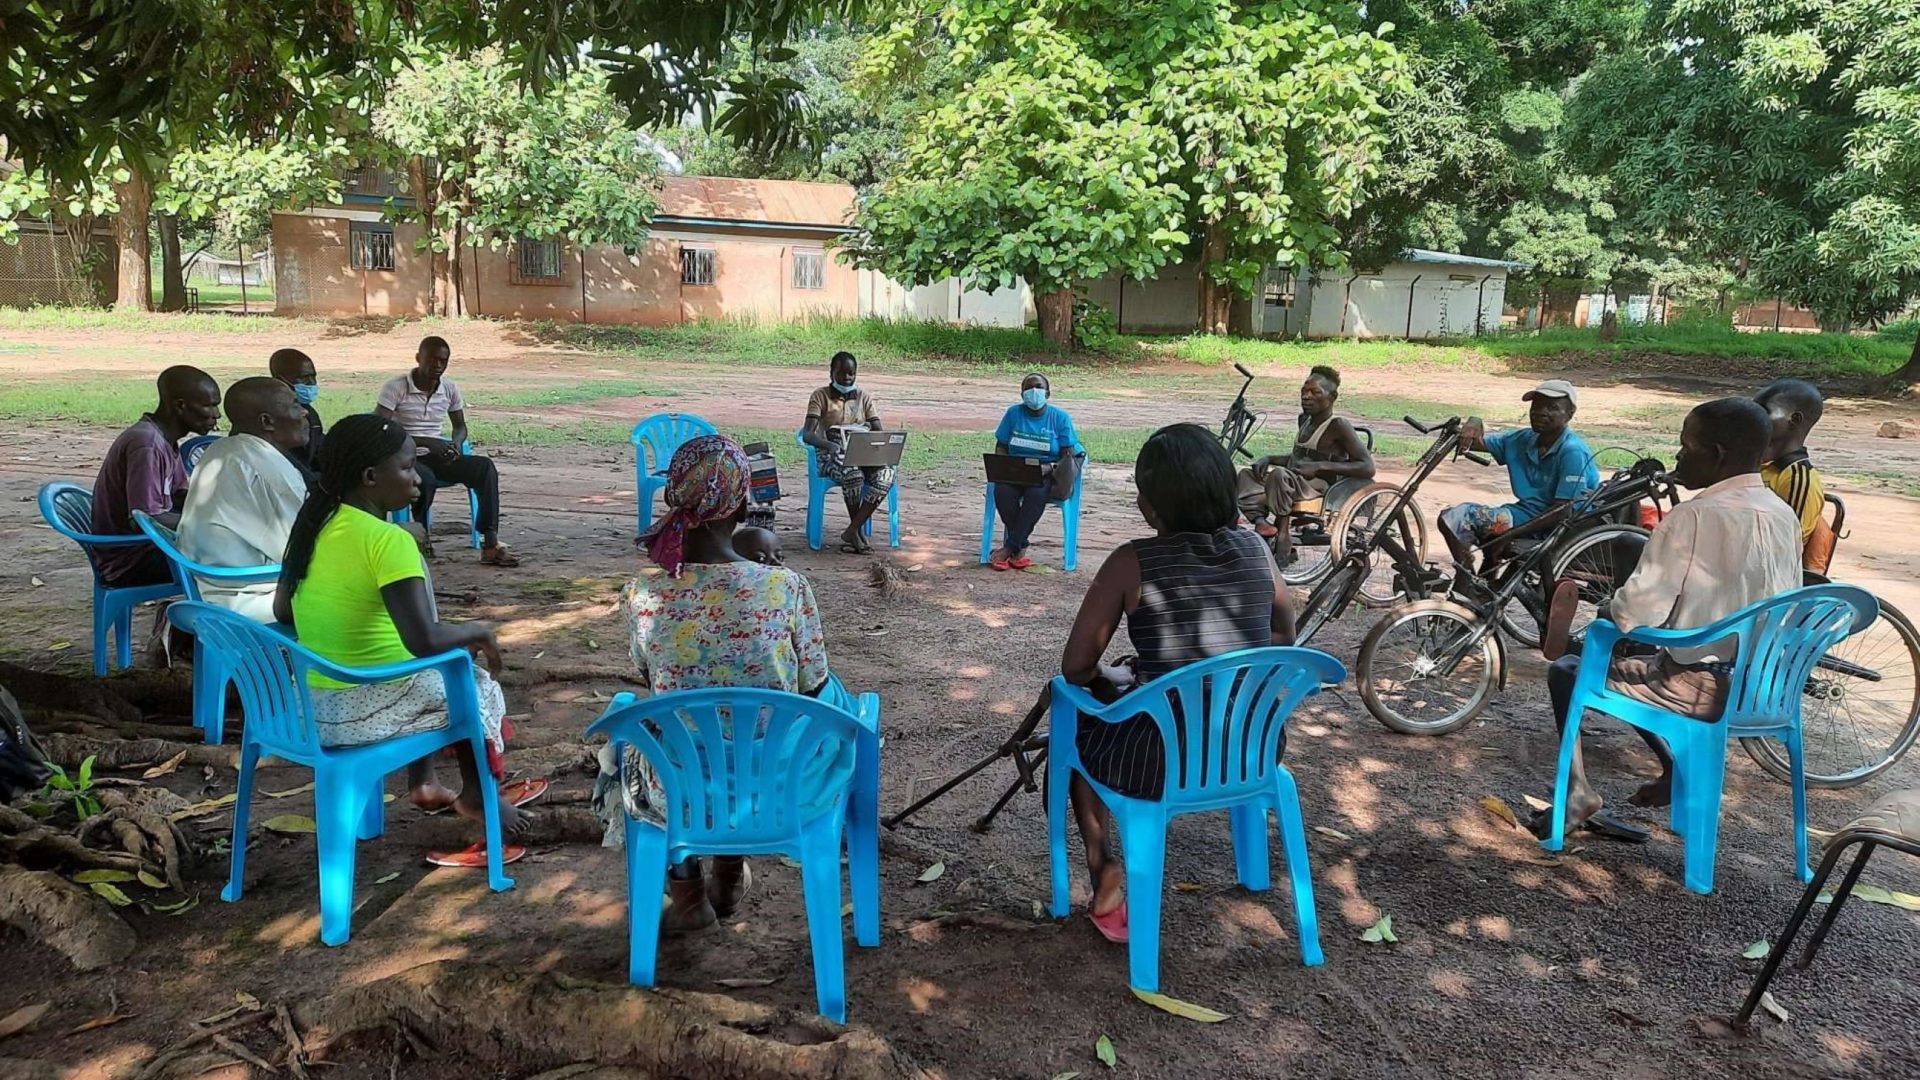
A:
x: 1600, y: 560
x: 1363, y: 516
x: 1312, y: 556
x: 1402, y: 668
x: 1327, y: 598
x: 1860, y: 710
x: 1517, y: 620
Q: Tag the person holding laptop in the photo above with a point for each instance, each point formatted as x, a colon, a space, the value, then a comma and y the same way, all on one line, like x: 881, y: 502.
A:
x: 1033, y: 430
x: 833, y: 410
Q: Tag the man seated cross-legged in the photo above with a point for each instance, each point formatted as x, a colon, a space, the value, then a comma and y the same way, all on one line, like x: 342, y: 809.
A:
x: 246, y: 491
x: 1732, y: 545
x: 424, y: 401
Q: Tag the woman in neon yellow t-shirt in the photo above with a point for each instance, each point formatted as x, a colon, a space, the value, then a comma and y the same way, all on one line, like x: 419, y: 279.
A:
x: 354, y: 588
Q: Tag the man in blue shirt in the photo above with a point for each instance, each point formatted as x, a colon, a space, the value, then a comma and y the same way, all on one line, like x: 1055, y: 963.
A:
x: 1035, y: 429
x: 1548, y: 466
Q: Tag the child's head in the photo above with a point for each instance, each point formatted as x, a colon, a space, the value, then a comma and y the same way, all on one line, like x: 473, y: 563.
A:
x: 1793, y: 407
x: 758, y: 545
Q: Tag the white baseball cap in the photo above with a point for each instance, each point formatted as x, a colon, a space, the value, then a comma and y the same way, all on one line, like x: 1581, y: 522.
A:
x: 1554, y: 388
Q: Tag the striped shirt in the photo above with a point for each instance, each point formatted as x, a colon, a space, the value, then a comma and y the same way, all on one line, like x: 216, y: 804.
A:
x: 1201, y: 595
x: 1793, y: 478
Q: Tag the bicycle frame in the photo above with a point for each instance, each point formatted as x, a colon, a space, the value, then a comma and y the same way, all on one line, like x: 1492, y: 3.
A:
x: 1241, y: 422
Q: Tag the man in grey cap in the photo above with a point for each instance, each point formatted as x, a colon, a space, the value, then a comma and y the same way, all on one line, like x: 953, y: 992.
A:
x: 1547, y: 465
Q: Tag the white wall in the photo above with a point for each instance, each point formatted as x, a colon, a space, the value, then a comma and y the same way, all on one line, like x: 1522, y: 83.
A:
x: 1443, y: 302
x: 944, y: 301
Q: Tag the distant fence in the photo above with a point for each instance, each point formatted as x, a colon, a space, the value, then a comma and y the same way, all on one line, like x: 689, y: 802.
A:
x: 44, y: 266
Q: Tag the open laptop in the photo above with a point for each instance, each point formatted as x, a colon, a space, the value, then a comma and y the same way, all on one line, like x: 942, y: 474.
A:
x: 1017, y: 471
x: 870, y: 448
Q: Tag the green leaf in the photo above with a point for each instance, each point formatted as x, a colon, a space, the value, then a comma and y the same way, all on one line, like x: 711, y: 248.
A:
x: 384, y: 878
x: 179, y: 907
x: 932, y: 873
x: 1185, y: 1009
x: 1381, y: 931
x: 1874, y: 894
x: 290, y: 792
x: 290, y: 824
x: 89, y: 877
x: 1756, y: 951
x: 111, y: 894
x: 152, y: 882
x: 1103, y: 1049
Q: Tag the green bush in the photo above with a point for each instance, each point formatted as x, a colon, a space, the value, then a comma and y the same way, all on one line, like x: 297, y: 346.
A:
x: 1905, y: 331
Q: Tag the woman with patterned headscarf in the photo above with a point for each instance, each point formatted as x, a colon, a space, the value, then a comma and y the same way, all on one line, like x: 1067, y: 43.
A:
x: 709, y: 616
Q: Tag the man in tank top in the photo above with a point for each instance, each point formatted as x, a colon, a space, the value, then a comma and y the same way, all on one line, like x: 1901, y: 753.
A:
x: 1325, y: 449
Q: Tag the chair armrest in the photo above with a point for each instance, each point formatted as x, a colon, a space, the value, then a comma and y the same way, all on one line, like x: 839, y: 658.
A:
x: 1082, y: 701
x: 453, y: 662
x: 236, y: 575
x: 1682, y: 639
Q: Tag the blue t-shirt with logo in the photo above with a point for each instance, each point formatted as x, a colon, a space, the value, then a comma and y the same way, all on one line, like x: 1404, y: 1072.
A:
x: 1539, y: 480
x: 1046, y: 434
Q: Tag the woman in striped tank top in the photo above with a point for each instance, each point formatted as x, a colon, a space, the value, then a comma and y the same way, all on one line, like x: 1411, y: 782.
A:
x: 1199, y: 587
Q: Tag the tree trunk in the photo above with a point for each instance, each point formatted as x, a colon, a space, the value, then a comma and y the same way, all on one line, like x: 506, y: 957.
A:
x: 173, y: 282
x: 1909, y: 372
x: 1056, y: 316
x: 130, y: 230
x: 1216, y: 300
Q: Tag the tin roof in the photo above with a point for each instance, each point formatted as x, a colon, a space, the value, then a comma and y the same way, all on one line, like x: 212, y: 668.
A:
x: 1422, y: 255
x: 773, y: 202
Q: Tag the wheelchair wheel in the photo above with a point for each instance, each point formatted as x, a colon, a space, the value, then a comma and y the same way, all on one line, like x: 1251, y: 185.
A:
x: 1400, y: 669
x: 1327, y: 598
x: 1600, y: 560
x: 1860, y: 710
x: 1359, y: 527
x: 1312, y: 555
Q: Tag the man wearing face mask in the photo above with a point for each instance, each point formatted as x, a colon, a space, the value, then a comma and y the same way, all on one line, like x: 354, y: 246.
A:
x: 838, y: 407
x: 295, y: 368
x: 1733, y: 544
x: 1032, y: 429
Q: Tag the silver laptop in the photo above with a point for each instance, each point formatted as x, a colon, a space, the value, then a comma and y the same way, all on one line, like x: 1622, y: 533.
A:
x: 872, y: 448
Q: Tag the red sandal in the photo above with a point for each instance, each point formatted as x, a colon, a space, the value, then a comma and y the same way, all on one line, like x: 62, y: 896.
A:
x: 475, y: 857
x: 1112, y: 925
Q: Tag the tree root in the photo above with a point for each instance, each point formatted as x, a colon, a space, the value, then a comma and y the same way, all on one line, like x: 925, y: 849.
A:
x: 26, y: 841
x: 127, y: 696
x: 511, y: 1018
x: 70, y: 750
x: 52, y: 910
x: 138, y: 829
x: 539, y: 674
x: 558, y: 759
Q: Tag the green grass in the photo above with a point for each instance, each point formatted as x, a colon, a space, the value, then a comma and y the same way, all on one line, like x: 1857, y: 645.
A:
x: 213, y: 322
x: 810, y: 342
x: 1764, y: 352
x: 574, y: 393
x: 259, y: 295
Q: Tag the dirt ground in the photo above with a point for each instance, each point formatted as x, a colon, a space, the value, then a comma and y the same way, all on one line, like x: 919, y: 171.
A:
x: 1510, y: 962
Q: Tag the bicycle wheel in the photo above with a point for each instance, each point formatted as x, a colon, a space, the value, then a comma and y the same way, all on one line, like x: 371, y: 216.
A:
x: 1516, y: 619
x: 1400, y: 669
x: 1600, y: 559
x: 1355, y: 529
x: 1311, y: 558
x: 1327, y: 598
x: 1860, y: 710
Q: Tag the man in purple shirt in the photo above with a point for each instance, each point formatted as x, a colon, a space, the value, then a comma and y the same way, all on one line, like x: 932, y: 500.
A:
x: 143, y: 471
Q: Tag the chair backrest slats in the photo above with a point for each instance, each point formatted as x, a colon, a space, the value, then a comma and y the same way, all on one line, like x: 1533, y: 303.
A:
x: 1781, y: 641
x: 270, y: 672
x: 657, y: 437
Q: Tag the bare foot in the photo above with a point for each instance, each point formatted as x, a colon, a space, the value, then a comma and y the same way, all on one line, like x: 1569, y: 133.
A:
x: 513, y: 820
x: 1581, y: 805
x: 432, y: 798
x: 1654, y: 793
x: 853, y: 539
x: 1111, y: 890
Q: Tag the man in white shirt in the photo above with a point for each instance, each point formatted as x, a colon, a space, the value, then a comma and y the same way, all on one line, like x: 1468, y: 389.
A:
x: 423, y: 401
x: 245, y: 492
x: 1732, y: 545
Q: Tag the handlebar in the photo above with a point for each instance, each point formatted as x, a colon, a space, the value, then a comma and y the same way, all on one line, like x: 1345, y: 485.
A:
x: 1478, y: 459
x: 1242, y: 369
x: 1451, y: 423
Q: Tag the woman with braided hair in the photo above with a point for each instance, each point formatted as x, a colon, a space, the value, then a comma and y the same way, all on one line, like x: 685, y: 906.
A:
x: 353, y: 587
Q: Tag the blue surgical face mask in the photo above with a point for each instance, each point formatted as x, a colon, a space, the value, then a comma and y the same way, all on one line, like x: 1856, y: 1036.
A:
x: 306, y: 392
x: 843, y: 388
x: 1034, y: 398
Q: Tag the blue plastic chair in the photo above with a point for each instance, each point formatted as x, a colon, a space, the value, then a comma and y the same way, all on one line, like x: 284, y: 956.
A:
x: 68, y: 509
x: 1780, y: 641
x: 191, y: 450
x: 1245, y: 698
x: 405, y: 514
x: 817, y: 488
x: 654, y: 441
x: 210, y: 672
x: 349, y: 793
x: 809, y: 773
x: 1069, y: 523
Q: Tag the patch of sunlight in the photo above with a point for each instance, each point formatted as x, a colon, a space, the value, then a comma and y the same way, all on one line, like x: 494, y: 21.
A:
x: 921, y: 993
x: 1451, y: 984
x: 1248, y: 918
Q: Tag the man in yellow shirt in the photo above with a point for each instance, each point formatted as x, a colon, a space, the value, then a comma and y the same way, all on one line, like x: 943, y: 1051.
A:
x: 1794, y: 406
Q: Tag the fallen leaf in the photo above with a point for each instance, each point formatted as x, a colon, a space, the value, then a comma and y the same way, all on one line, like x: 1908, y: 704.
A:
x: 1773, y: 1007
x: 37, y: 582
x: 89, y: 877
x: 540, y: 654
x: 1335, y: 833
x: 1188, y: 886
x: 59, y: 645
x: 1184, y: 1009
x: 180, y: 908
x: 1627, y: 1019
x: 1756, y: 951
x: 914, y: 569
x: 1537, y: 804
x: 165, y: 767
x: 383, y: 879
x: 1039, y: 909
x: 99, y: 1022
x: 846, y: 910
x: 111, y: 894
x: 247, y: 1001
x: 1038, y: 568
x: 289, y: 823
x: 21, y: 1019
x: 388, y: 797
x: 201, y: 809
x: 932, y: 873
x: 1104, y: 1051
x: 1495, y: 805
x: 1874, y: 894
x: 592, y: 644
x: 876, y: 633
x: 1380, y: 931
x: 789, y: 863
x: 744, y: 984
x: 290, y: 792
x: 152, y: 881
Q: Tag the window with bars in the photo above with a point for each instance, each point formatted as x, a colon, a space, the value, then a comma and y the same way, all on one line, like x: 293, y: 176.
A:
x: 1278, y: 291
x: 537, y: 261
x: 697, y: 265
x: 809, y: 270
x: 370, y: 245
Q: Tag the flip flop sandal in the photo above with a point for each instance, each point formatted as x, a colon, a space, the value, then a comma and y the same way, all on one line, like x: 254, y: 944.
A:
x: 1020, y: 563
x: 1603, y: 824
x: 1000, y: 565
x: 1112, y: 925
x: 499, y: 556
x: 518, y: 793
x: 475, y: 856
